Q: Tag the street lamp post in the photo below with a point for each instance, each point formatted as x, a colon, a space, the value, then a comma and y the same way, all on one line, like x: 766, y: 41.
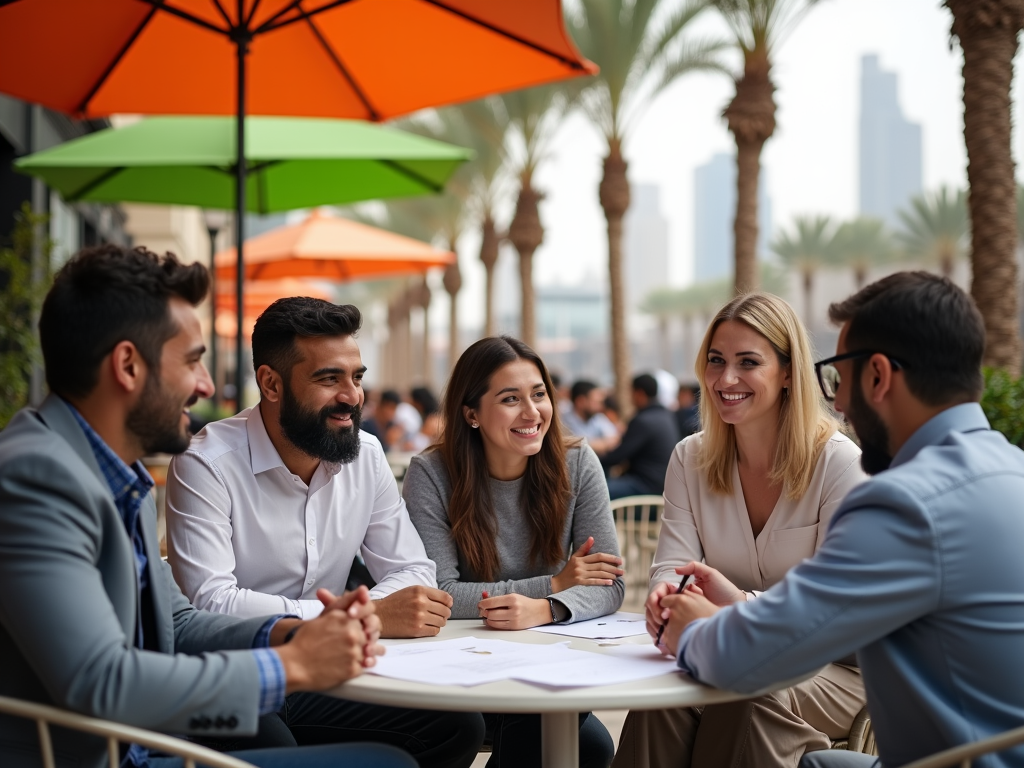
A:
x: 215, y: 222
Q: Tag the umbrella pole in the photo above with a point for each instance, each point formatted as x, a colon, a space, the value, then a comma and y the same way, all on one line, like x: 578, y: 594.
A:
x: 240, y: 169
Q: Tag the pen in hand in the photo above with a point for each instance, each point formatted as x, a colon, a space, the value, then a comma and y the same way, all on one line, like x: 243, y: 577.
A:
x: 682, y: 585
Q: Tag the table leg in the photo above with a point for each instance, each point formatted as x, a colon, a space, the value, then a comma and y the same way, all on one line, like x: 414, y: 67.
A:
x: 560, y: 739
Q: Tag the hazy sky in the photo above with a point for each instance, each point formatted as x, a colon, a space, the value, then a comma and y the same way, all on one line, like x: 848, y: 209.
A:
x: 811, y: 161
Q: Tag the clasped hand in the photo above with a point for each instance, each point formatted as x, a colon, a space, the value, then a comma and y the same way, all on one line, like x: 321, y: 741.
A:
x: 706, y: 594
x: 335, y: 646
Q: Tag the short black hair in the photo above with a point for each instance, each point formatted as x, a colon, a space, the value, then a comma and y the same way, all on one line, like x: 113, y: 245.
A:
x: 581, y: 388
x: 646, y: 384
x: 273, y: 337
x: 390, y: 396
x: 107, y: 294
x: 926, y: 323
x: 425, y: 399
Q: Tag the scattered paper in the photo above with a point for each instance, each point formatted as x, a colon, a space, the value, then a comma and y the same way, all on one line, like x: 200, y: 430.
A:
x: 614, y: 625
x: 473, y: 661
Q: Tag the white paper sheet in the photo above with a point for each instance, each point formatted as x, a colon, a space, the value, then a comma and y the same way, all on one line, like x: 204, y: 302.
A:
x: 614, y: 625
x: 474, y: 661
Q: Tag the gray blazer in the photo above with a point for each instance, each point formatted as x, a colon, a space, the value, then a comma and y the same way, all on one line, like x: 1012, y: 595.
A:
x: 69, y: 601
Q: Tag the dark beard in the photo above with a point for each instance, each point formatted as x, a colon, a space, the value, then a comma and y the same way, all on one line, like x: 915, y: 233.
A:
x: 871, y: 431
x: 308, y: 430
x: 156, y: 419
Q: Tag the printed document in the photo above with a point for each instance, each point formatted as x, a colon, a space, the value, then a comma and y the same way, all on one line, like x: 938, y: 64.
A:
x: 614, y: 625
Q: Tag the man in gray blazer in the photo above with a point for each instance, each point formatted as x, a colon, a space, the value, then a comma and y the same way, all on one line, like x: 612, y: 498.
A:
x: 90, y: 619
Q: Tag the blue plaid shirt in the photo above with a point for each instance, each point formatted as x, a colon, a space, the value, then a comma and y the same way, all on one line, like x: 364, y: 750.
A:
x: 130, y: 485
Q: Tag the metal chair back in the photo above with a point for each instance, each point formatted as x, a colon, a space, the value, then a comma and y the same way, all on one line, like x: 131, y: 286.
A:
x: 637, y: 523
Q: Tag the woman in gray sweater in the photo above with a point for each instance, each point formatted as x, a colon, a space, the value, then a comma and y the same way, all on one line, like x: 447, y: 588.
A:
x: 516, y: 517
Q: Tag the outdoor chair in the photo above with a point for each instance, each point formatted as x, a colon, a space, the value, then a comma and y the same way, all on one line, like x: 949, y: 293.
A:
x: 963, y: 756
x: 862, y: 735
x: 637, y: 524
x: 114, y: 733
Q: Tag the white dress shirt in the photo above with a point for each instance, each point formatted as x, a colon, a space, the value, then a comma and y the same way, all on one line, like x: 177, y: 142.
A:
x: 248, y: 538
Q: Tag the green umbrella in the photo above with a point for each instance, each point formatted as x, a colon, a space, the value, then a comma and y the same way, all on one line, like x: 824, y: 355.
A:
x: 293, y: 163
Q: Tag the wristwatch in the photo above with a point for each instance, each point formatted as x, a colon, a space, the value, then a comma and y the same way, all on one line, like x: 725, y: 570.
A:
x: 551, y: 605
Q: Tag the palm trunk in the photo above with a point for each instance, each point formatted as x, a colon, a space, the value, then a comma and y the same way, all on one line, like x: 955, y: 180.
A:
x: 751, y: 119
x: 452, y: 284
x: 489, y: 257
x: 988, y: 36
x: 422, y: 293
x: 860, y: 276
x: 808, y: 299
x: 527, y: 233
x: 614, y: 195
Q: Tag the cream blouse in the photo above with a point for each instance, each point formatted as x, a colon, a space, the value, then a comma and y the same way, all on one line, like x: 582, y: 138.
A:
x: 700, y: 524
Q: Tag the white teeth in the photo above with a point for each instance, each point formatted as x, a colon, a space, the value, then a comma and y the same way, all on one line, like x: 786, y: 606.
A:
x: 528, y: 430
x: 735, y: 395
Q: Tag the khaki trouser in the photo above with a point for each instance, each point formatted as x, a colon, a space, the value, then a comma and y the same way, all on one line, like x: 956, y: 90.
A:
x: 770, y: 731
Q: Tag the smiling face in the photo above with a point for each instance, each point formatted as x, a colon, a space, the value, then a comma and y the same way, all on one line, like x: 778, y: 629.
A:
x: 513, y: 417
x: 744, y: 376
x: 160, y: 419
x: 322, y: 398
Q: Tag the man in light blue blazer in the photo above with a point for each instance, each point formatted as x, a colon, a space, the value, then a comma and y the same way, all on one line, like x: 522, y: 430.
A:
x: 921, y: 572
x: 90, y: 619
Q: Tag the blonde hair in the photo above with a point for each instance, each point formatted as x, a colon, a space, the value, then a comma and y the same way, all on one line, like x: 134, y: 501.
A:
x: 805, y: 423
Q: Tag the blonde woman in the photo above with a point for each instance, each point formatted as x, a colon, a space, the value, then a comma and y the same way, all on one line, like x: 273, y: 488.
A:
x: 751, y: 495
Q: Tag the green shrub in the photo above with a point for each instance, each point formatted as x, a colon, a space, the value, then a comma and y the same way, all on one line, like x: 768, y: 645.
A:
x: 20, y: 300
x: 1003, y: 403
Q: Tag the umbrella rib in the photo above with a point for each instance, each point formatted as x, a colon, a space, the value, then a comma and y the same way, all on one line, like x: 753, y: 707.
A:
x: 160, y: 5
x: 505, y: 33
x: 117, y: 60
x: 374, y: 114
x: 411, y: 174
x: 272, y: 23
x: 222, y: 12
x: 252, y: 13
x: 81, y: 192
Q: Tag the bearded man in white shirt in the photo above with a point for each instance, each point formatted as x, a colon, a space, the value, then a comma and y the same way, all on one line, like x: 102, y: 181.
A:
x: 269, y: 506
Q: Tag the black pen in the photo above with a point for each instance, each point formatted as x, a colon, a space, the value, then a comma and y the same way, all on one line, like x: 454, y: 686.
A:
x: 682, y: 585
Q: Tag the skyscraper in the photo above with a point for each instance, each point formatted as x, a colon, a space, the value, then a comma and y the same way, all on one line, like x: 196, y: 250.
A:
x: 714, y: 214
x: 890, y: 146
x: 646, y: 236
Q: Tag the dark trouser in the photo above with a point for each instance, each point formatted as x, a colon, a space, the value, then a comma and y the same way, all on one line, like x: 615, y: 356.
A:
x: 838, y: 758
x: 627, y: 485
x: 324, y: 756
x: 515, y: 741
x: 435, y: 739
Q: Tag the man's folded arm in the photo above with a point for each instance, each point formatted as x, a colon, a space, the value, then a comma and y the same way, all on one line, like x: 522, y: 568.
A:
x: 392, y: 548
x: 55, y: 607
x: 875, y: 572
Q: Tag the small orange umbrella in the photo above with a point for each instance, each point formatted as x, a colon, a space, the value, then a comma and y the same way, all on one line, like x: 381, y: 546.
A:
x: 330, y: 248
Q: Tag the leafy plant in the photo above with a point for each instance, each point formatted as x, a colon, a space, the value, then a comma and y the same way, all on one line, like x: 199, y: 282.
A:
x: 20, y: 301
x: 1003, y: 403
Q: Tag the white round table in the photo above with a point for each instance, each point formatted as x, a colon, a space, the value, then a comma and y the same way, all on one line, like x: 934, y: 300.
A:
x: 559, y: 709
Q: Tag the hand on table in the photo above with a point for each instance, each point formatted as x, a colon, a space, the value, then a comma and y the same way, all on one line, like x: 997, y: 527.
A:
x: 712, y: 584
x: 324, y: 652
x: 708, y: 584
x: 414, y: 612
x: 514, y: 611
x: 598, y: 569
x: 358, y: 605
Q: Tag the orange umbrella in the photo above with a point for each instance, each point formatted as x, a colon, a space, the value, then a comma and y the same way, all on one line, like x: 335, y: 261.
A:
x: 367, y: 59
x: 330, y: 248
x: 258, y: 296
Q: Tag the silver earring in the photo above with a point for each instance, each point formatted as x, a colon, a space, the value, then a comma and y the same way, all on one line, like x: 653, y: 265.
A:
x: 474, y: 425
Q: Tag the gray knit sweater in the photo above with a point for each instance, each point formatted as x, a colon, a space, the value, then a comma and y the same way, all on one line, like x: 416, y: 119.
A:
x: 427, y: 490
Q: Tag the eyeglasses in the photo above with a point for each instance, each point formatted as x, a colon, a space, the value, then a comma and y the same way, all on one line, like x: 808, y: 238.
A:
x: 828, y: 374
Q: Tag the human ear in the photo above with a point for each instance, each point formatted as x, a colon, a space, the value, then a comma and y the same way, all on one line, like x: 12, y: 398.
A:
x: 128, y: 367
x: 470, y: 416
x: 880, y: 369
x: 270, y: 383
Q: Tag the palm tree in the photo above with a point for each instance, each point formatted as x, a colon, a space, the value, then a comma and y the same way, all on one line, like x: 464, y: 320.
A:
x: 758, y: 27
x: 862, y: 244
x: 987, y: 32
x: 805, y: 250
x: 640, y: 53
x: 936, y: 228
x: 534, y: 115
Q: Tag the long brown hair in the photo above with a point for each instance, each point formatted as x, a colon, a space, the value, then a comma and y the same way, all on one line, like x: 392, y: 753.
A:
x: 545, y: 494
x: 805, y: 424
